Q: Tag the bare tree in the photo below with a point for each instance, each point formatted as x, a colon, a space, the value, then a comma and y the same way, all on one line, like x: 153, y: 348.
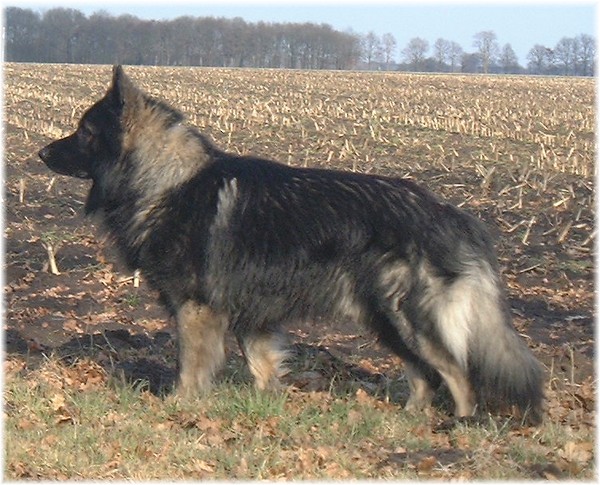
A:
x: 388, y: 42
x: 22, y: 35
x: 455, y: 53
x: 470, y: 62
x: 348, y: 51
x: 587, y: 54
x: 414, y: 53
x: 575, y: 55
x: 508, y: 60
x: 567, y: 53
x: 487, y: 48
x: 61, y: 28
x: 536, y: 58
x: 551, y: 62
x: 372, y: 51
x: 441, y: 52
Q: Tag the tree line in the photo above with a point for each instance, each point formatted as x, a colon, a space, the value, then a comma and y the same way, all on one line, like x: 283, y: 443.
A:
x: 65, y: 35
x: 572, y: 56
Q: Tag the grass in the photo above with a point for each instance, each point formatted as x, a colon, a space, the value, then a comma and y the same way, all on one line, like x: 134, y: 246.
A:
x: 132, y: 299
x: 75, y: 421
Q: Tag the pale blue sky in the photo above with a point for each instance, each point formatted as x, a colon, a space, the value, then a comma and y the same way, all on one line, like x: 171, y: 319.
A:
x: 521, y: 25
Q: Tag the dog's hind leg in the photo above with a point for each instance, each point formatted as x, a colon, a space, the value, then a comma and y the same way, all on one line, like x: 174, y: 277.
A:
x: 423, y: 380
x: 264, y: 354
x: 422, y: 384
x: 201, y: 334
x: 456, y: 379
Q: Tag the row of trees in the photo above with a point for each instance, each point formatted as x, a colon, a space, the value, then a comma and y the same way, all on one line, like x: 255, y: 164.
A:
x: 67, y: 35
x: 572, y: 56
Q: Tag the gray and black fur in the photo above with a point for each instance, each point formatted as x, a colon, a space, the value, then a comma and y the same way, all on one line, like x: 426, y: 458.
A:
x: 248, y: 244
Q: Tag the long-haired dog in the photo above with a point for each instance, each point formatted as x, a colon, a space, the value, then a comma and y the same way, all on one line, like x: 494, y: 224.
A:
x: 247, y: 244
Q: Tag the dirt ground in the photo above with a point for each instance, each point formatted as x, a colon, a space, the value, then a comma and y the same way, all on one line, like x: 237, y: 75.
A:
x: 93, y: 305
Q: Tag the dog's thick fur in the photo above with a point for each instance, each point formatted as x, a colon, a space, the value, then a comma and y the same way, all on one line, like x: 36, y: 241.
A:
x: 248, y: 244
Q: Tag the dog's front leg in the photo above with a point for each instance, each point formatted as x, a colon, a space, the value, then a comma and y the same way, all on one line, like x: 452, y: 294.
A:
x: 201, y: 335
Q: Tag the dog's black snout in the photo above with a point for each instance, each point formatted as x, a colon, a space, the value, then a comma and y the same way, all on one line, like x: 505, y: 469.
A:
x: 44, y: 153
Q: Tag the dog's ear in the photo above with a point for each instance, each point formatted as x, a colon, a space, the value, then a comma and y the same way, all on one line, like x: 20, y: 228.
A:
x: 117, y: 74
x: 123, y: 90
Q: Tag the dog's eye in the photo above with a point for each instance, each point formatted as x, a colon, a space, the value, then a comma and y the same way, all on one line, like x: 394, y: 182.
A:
x: 84, y: 134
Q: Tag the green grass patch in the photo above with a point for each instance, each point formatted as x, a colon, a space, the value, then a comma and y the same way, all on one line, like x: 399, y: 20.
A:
x: 76, y: 422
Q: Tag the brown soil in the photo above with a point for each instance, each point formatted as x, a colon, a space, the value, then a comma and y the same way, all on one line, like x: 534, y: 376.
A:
x: 92, y: 307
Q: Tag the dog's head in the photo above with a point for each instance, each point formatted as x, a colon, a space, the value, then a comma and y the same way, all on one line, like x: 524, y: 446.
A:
x: 127, y: 143
x: 97, y: 142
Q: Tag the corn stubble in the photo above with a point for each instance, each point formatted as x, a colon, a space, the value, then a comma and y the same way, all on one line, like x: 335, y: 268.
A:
x: 518, y: 151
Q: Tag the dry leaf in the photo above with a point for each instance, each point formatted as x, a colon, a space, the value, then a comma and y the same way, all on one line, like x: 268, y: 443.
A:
x: 426, y: 464
x: 354, y: 417
x: 72, y: 326
x: 203, y: 466
x: 57, y: 402
x: 26, y: 424
x: 577, y: 452
x: 363, y: 397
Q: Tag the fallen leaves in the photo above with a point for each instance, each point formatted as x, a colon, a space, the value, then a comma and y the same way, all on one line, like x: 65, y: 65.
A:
x: 73, y: 326
x: 214, y: 431
x: 82, y: 375
x: 569, y: 460
x: 13, y: 367
x: 28, y: 423
x: 574, y: 456
x: 432, y: 462
x: 62, y: 412
x: 201, y: 467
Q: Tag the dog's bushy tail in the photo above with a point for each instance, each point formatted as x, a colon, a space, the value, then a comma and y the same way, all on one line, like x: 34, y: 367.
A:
x: 476, y: 326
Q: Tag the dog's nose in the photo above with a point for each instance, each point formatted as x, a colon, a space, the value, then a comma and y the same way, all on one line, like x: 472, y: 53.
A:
x: 43, y: 153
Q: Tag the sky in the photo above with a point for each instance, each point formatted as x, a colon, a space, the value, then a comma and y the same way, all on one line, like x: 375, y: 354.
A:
x: 521, y: 24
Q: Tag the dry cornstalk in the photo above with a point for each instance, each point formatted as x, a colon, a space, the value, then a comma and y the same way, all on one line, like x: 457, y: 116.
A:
x: 49, y: 188
x: 51, y: 249
x: 487, y: 178
x: 560, y: 202
x: 21, y: 190
x: 135, y: 278
x: 513, y: 228
x: 529, y: 268
x: 528, y: 230
x: 563, y: 234
x: 588, y: 239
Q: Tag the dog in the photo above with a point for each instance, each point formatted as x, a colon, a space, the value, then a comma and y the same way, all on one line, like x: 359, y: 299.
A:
x: 247, y: 244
